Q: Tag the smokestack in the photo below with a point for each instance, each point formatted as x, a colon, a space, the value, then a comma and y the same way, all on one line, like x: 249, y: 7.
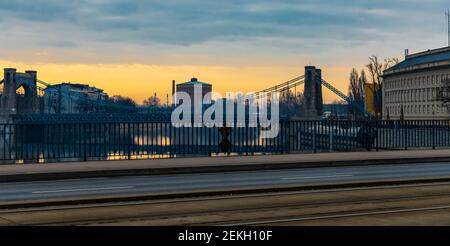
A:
x: 406, y: 52
x: 173, y: 92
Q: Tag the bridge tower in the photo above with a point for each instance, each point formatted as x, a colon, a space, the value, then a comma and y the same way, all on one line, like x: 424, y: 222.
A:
x: 9, y: 100
x: 31, y: 93
x: 318, y: 93
x: 313, y: 104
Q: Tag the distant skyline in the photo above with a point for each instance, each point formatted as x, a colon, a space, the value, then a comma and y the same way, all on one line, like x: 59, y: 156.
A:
x: 136, y: 48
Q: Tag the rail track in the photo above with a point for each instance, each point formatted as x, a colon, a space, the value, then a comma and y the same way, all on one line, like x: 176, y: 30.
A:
x: 250, y: 209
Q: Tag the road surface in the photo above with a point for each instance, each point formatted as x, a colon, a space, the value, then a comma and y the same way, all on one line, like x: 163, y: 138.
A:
x: 30, y: 191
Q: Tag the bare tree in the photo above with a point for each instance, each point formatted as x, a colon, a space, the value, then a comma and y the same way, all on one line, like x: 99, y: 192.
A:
x: 290, y: 103
x: 362, y: 81
x: 152, y: 101
x: 376, y: 69
x: 356, y: 90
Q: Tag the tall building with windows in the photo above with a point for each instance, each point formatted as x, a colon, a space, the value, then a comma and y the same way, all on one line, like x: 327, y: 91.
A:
x: 413, y: 86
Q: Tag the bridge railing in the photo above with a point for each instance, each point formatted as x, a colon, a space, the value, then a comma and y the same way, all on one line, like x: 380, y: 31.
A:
x: 65, y: 141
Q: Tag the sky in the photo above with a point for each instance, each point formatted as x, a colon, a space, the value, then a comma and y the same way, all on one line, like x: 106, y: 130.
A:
x: 136, y: 48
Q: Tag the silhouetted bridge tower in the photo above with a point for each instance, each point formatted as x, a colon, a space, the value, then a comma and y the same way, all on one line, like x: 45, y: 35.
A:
x: 313, y: 102
x: 12, y: 102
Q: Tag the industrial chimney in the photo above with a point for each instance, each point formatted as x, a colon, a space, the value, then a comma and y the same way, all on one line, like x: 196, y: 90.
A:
x: 173, y: 93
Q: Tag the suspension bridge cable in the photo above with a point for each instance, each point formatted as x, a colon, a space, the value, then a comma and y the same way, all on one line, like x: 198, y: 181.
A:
x: 278, y: 86
x: 351, y: 102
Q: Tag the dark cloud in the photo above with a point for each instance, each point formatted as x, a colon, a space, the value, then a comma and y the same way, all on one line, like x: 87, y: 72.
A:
x: 345, y: 23
x: 188, y: 21
x: 38, y: 10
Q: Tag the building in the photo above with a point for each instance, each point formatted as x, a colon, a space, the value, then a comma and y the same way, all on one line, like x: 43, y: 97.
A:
x: 411, y: 88
x: 68, y: 98
x: 188, y: 87
x: 370, y: 98
x: 20, y: 92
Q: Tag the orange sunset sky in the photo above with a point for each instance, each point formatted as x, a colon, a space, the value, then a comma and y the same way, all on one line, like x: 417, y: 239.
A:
x: 139, y: 81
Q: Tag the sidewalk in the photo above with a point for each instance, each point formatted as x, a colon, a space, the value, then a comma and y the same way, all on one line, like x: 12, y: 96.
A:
x: 51, y: 171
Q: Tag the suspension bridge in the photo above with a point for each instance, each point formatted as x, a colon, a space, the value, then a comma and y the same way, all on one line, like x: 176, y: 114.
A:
x: 36, y: 104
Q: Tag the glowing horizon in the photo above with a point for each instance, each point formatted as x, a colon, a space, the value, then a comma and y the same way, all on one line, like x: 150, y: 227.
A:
x: 140, y: 81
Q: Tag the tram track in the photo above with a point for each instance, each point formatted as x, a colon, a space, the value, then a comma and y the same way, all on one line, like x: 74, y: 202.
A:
x: 256, y: 209
x: 335, y: 216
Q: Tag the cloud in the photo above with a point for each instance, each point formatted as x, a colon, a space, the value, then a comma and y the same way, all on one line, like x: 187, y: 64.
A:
x: 296, y: 26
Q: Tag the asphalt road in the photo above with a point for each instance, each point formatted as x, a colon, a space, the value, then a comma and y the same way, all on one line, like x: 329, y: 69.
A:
x: 26, y: 191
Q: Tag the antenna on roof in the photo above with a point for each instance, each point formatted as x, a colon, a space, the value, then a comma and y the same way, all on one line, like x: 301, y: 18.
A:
x: 447, y: 13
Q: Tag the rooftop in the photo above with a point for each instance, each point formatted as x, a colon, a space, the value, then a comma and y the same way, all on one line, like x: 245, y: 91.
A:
x: 425, y: 59
x: 75, y: 85
x: 195, y: 81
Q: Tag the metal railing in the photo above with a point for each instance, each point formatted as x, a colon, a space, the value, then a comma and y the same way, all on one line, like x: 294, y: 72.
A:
x: 58, y: 142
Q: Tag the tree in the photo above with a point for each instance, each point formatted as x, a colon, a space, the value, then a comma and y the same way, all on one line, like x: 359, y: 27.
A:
x: 290, y: 103
x: 356, y: 90
x: 120, y: 104
x: 376, y: 69
x: 152, y: 101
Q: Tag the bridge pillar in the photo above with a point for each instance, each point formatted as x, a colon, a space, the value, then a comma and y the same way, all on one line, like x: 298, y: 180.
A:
x: 8, y: 98
x: 313, y: 105
x: 31, y: 99
x: 318, y: 93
